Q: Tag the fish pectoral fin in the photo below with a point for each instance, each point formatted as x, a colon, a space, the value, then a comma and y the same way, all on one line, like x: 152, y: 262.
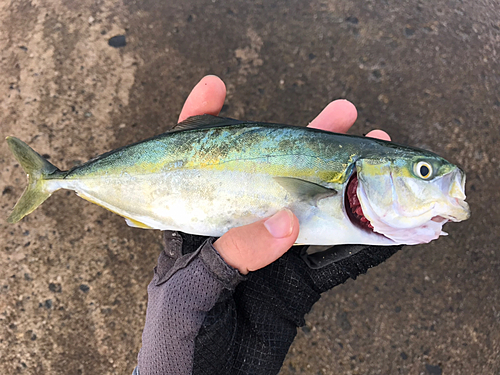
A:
x: 305, y: 190
x: 205, y: 121
x: 136, y: 224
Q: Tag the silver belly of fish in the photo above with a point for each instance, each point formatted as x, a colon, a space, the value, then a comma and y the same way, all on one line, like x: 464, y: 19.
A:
x: 212, y: 202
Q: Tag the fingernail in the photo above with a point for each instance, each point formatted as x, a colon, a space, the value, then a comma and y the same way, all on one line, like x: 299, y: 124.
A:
x: 280, y: 224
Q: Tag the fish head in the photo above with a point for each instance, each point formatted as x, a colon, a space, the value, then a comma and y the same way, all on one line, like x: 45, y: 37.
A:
x: 409, y: 196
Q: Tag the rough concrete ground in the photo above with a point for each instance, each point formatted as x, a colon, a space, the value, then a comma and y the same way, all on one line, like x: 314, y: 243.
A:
x: 73, y: 276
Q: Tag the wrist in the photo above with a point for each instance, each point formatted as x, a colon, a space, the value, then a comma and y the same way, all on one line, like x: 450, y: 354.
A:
x: 228, y: 275
x: 229, y: 253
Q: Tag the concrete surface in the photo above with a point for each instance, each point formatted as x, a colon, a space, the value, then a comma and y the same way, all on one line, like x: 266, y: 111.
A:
x: 73, y: 276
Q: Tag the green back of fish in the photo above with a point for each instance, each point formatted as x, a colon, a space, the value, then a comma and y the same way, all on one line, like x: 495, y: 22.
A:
x: 251, y: 147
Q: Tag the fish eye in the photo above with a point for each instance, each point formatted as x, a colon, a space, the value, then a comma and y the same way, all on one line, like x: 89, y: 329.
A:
x: 423, y: 170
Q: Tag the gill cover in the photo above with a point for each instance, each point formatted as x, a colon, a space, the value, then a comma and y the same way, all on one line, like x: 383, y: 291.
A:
x: 410, y: 200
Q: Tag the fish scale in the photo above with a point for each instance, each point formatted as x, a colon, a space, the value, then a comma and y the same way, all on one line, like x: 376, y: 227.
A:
x: 211, y: 174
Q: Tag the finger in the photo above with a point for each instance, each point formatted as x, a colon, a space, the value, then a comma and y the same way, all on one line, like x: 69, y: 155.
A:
x: 207, y: 97
x: 379, y: 134
x: 338, y: 116
x: 254, y: 246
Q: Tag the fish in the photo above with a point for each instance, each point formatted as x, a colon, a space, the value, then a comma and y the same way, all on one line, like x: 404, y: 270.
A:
x: 210, y: 174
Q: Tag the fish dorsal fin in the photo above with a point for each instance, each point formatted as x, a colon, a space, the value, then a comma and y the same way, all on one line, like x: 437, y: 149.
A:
x: 305, y: 190
x: 204, y: 121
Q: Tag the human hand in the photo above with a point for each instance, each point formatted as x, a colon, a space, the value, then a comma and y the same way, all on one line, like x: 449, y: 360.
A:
x: 242, y: 327
x: 251, y: 247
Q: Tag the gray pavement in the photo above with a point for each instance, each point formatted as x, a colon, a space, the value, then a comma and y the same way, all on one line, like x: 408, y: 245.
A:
x: 73, y: 276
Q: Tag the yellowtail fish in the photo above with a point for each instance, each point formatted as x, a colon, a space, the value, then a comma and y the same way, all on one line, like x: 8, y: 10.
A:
x: 211, y: 174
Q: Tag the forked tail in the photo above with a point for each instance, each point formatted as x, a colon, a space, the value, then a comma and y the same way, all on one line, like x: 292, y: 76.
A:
x: 38, y: 170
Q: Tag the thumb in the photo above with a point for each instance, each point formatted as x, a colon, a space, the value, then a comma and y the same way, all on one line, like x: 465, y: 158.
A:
x: 254, y: 246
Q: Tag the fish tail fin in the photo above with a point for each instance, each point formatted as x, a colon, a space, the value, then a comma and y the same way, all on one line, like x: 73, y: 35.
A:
x: 38, y: 170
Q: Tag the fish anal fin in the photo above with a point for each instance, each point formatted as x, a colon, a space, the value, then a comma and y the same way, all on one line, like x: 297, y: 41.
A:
x: 136, y: 224
x: 92, y: 200
x: 305, y: 190
x: 130, y: 222
x: 204, y: 121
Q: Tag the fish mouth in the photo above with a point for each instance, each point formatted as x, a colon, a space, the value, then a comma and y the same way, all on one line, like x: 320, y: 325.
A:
x: 439, y: 219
